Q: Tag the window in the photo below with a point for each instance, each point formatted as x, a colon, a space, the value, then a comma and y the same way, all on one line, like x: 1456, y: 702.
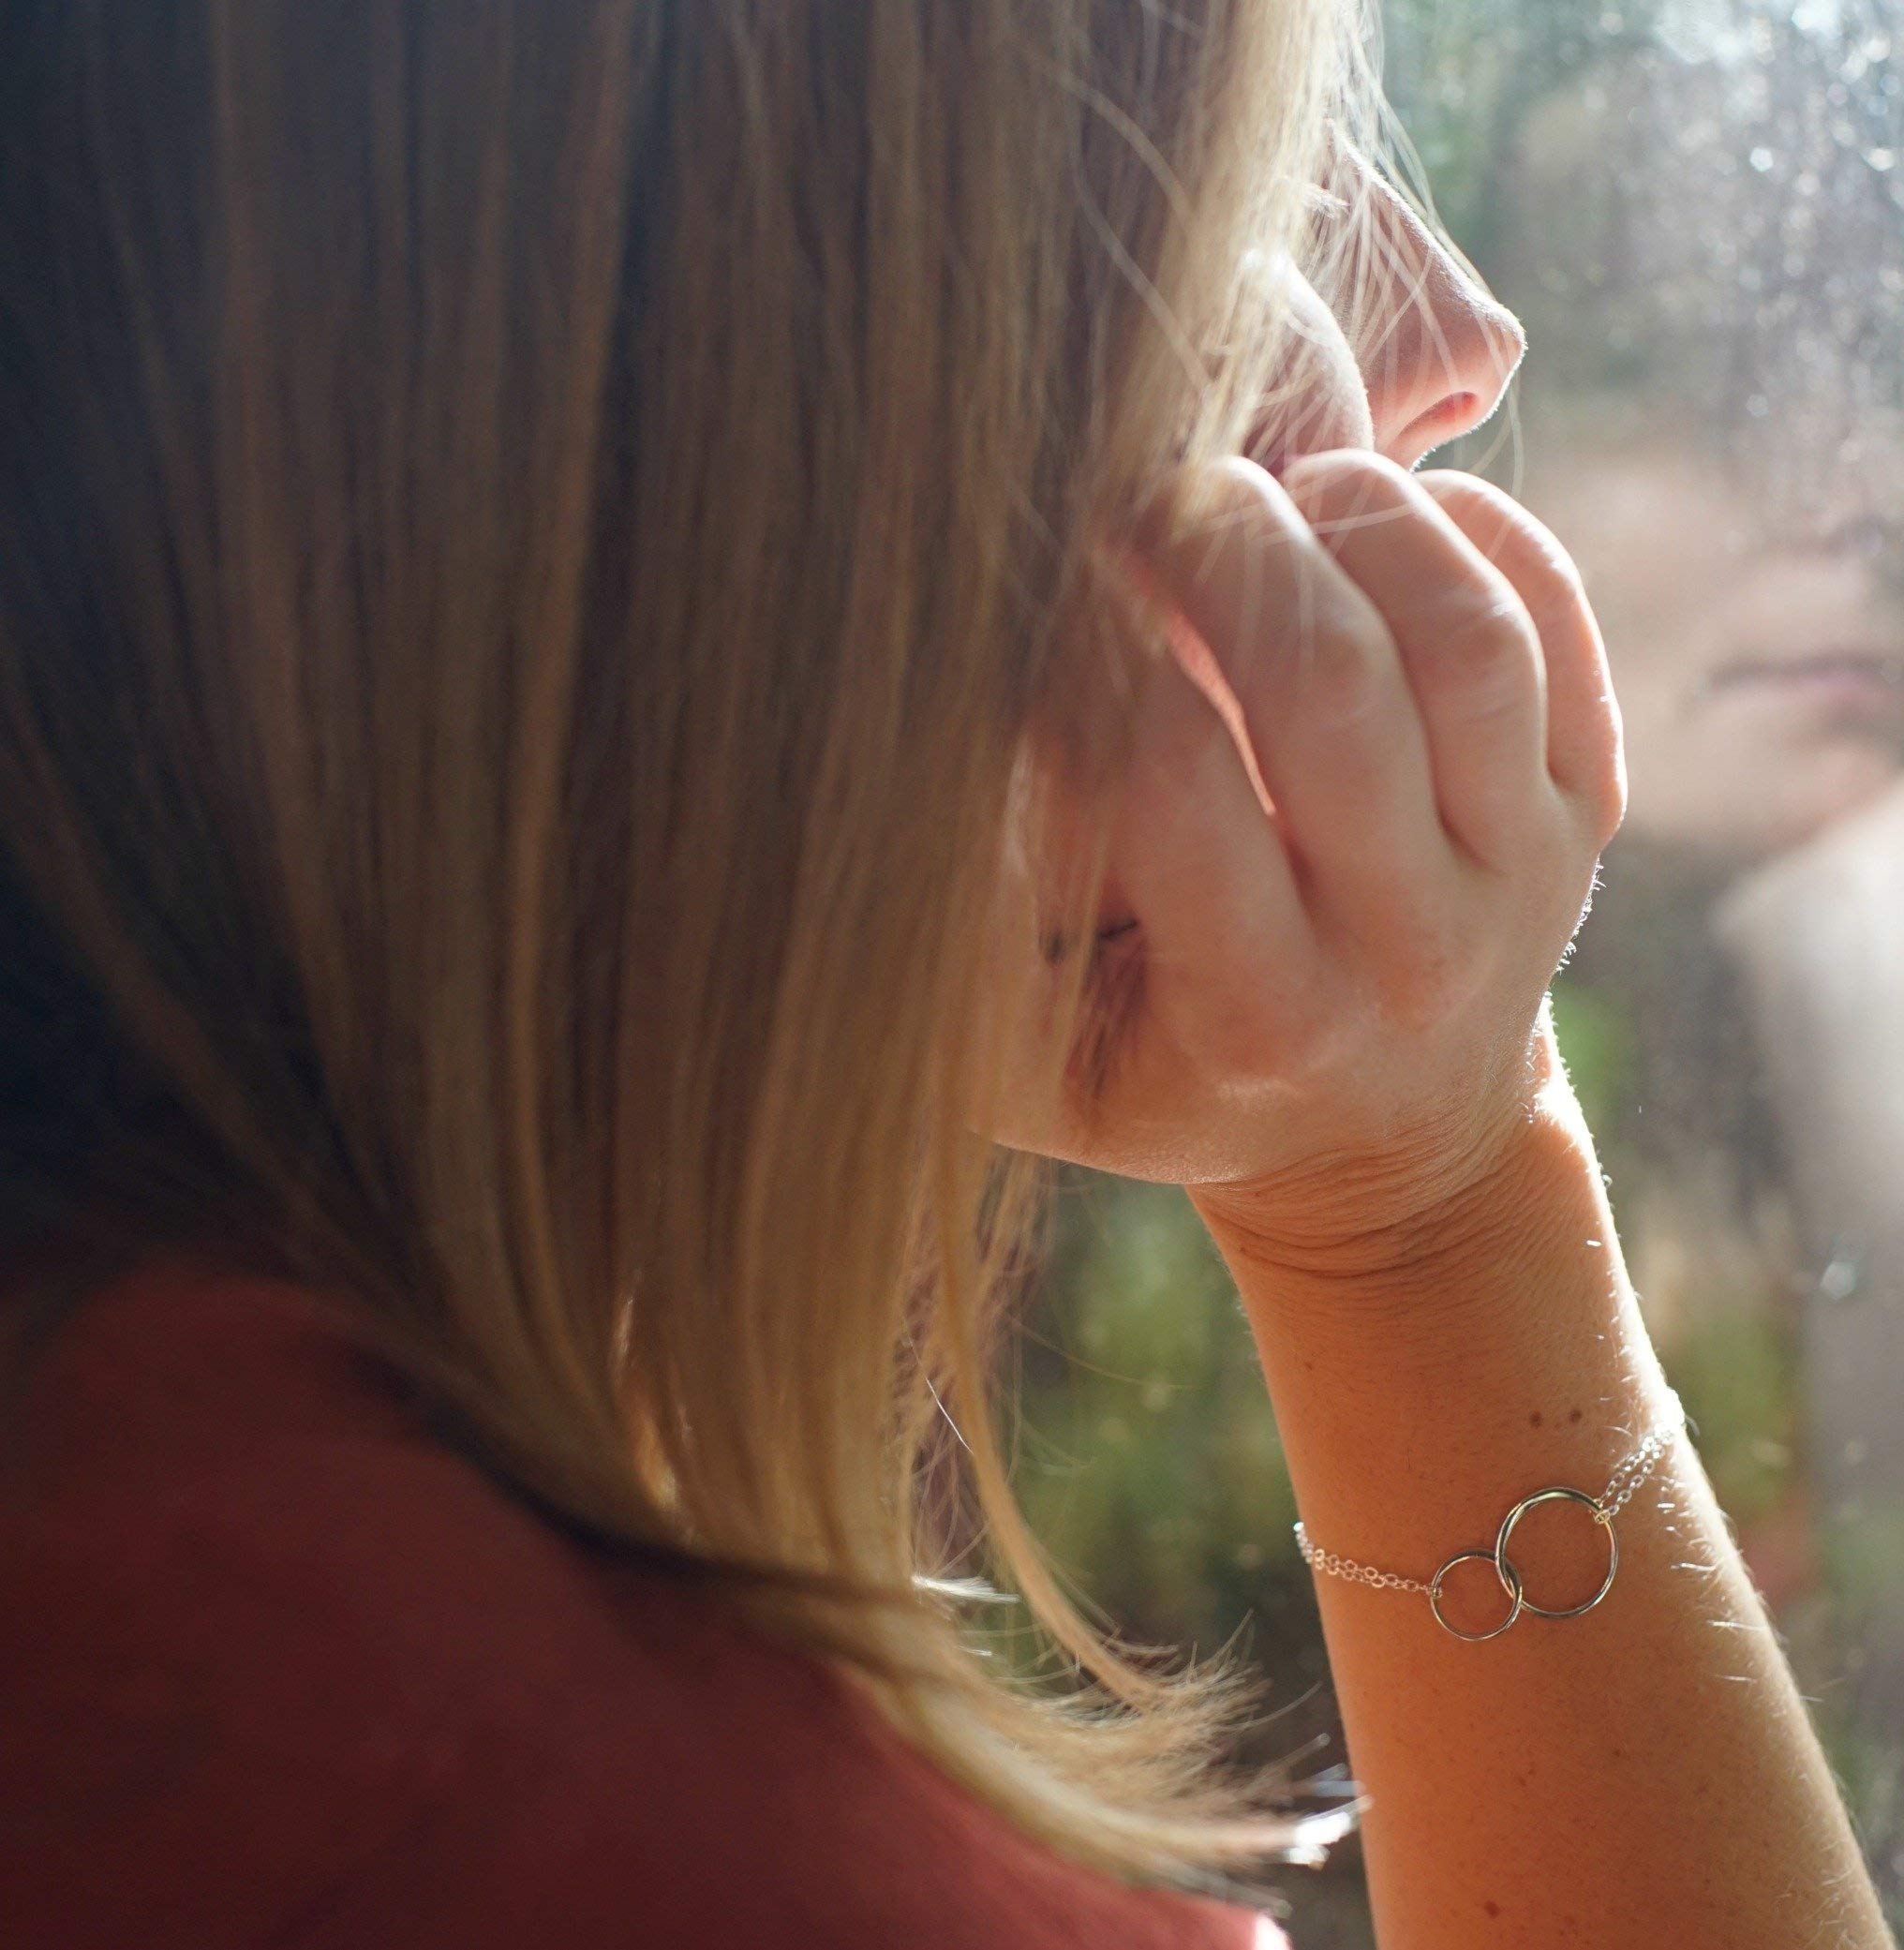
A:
x: 1698, y: 208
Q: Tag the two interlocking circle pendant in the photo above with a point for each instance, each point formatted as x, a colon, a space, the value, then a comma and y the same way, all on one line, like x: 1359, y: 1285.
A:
x: 1632, y: 1470
x: 1511, y: 1578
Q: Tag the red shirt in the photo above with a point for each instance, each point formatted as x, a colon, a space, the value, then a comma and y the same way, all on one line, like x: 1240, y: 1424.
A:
x: 278, y: 1668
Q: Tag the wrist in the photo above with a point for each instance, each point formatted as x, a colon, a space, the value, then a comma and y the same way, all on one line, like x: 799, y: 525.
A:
x: 1509, y: 1282
x: 1484, y: 1343
x: 1424, y: 1211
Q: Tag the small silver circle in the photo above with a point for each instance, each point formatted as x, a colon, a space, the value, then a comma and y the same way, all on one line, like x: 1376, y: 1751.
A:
x: 1513, y: 1589
x: 1558, y: 1493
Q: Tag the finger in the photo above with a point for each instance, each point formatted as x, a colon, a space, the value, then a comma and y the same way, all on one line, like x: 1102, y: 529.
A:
x: 1585, y: 755
x: 1197, y: 851
x: 1319, y: 685
x: 1470, y: 649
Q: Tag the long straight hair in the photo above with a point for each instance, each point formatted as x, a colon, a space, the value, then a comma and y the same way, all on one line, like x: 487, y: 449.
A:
x: 534, y: 535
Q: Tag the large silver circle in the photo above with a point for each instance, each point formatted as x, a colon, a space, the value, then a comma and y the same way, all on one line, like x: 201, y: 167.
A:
x: 1558, y: 1493
x: 1474, y: 1638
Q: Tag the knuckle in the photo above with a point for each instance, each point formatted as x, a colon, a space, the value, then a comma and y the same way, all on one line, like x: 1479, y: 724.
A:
x: 1595, y: 776
x: 1606, y: 796
x: 1614, y: 808
x: 1518, y: 542
x: 1233, y: 498
x: 1469, y: 494
x: 1550, y: 580
x: 1339, y: 491
x: 1346, y: 467
x: 1484, y: 651
x: 1233, y: 485
x: 1341, y: 663
x: 1206, y: 511
x: 1342, y: 679
x: 1228, y: 522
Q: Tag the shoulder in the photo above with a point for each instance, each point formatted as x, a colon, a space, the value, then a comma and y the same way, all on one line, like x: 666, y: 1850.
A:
x: 276, y: 1665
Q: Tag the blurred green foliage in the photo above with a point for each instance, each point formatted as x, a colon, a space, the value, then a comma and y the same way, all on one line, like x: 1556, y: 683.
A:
x: 1596, y: 1044
x: 1152, y: 1465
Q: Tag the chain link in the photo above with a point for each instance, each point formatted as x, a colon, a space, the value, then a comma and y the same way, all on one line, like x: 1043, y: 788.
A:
x: 1629, y: 1474
x: 1635, y: 1470
x: 1355, y: 1573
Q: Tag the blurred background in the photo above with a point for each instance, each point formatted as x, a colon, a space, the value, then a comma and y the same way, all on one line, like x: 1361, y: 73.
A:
x: 1697, y: 206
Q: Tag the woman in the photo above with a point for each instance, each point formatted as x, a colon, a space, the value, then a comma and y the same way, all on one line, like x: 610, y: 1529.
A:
x: 629, y: 633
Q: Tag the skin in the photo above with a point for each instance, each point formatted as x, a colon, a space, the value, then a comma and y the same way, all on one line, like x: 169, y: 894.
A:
x: 1373, y: 778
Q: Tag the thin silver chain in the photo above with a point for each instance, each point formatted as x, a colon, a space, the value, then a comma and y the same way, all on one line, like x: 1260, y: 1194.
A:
x: 1354, y: 1573
x: 1630, y: 1472
x: 1634, y: 1469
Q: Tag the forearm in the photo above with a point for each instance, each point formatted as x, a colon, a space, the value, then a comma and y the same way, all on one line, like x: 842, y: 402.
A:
x: 1643, y: 1775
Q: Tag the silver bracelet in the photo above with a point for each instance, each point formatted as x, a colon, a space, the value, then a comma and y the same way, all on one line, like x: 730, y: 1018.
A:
x: 1631, y: 1471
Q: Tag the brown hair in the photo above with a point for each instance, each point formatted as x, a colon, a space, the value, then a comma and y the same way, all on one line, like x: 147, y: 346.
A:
x: 532, y: 537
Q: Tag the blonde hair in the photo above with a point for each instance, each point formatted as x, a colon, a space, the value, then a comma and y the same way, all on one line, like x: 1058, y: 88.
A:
x: 536, y: 536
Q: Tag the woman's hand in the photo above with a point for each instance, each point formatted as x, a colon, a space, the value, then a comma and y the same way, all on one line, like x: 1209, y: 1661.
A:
x: 1317, y: 989
x: 1331, y: 1030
